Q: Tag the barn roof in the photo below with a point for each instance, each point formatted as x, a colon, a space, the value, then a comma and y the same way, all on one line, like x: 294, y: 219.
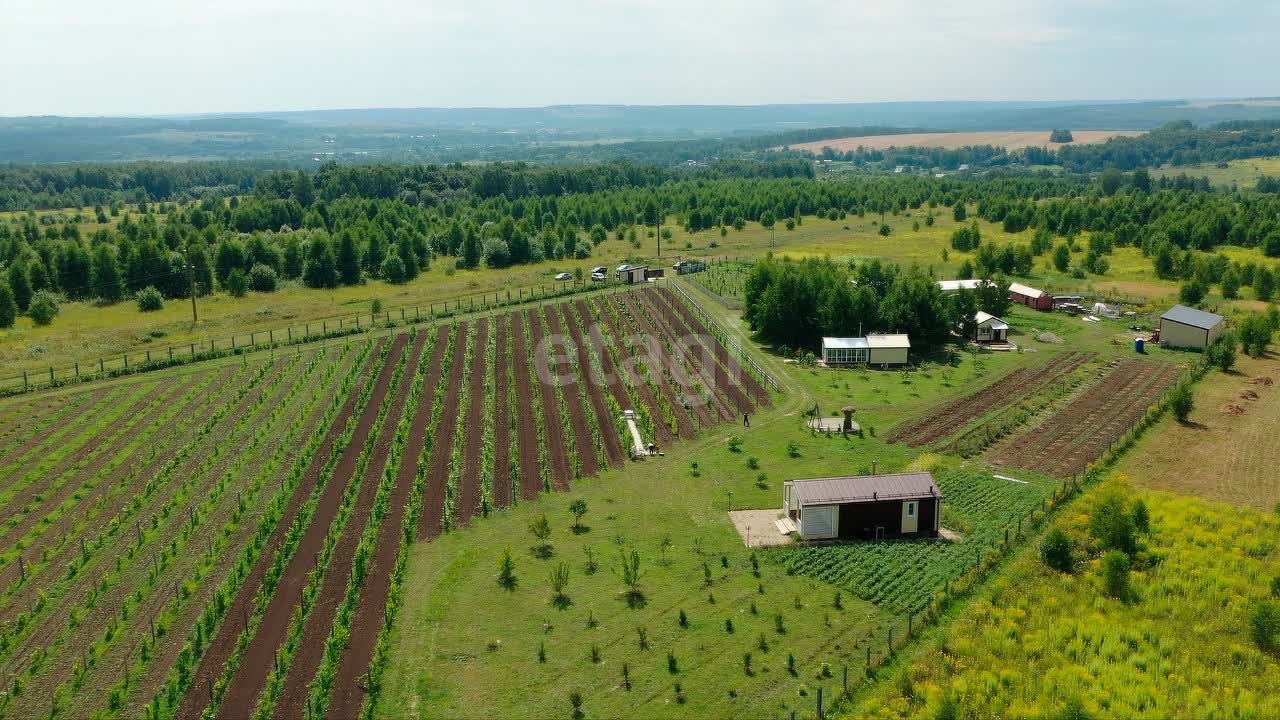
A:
x: 953, y: 285
x: 847, y: 343
x: 865, y: 488
x: 1025, y: 290
x: 1190, y: 316
x: 984, y: 318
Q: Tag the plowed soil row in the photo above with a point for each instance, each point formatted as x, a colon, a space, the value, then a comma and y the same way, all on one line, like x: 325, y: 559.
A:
x: 474, y: 421
x: 290, y: 416
x: 250, y: 676
x: 431, y: 522
x: 502, y: 484
x: 347, y: 696
x: 687, y: 380
x: 613, y: 452
x: 223, y: 644
x: 319, y: 621
x: 526, y: 429
x: 757, y: 391
x: 584, y: 445
x: 627, y: 352
x: 702, y: 349
x: 1071, y: 439
x: 557, y: 443
x: 595, y: 343
x: 1006, y: 390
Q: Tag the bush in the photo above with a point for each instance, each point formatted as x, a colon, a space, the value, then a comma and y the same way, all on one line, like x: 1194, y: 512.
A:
x: 1182, y: 402
x: 43, y: 309
x: 1056, y: 551
x: 262, y: 278
x: 1222, y: 354
x: 238, y: 283
x: 1115, y: 574
x: 1264, y: 625
x: 393, y: 269
x: 150, y: 299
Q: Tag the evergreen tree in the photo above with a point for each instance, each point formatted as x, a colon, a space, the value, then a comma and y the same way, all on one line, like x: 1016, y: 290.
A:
x: 8, y: 308
x: 76, y: 274
x: 108, y: 281
x: 348, y: 259
x: 470, y: 250
x: 321, y: 269
x: 408, y: 257
x: 20, y: 285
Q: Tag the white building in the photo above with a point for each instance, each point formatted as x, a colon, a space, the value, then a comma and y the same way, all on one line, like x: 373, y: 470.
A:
x: 990, y: 329
x: 873, y: 349
x: 1184, y: 327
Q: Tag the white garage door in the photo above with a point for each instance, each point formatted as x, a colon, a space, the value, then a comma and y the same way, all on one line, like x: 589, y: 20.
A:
x: 818, y: 522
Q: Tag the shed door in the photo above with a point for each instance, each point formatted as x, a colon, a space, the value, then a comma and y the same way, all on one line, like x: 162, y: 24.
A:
x: 818, y: 522
x: 910, y: 516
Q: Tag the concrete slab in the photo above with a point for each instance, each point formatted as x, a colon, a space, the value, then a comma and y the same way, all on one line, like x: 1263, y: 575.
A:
x: 757, y: 528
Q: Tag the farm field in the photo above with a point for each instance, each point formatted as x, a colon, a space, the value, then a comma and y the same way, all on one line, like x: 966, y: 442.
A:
x: 1085, y: 428
x: 1242, y: 173
x: 246, y: 556
x: 1227, y: 450
x: 1037, y: 641
x: 1012, y: 140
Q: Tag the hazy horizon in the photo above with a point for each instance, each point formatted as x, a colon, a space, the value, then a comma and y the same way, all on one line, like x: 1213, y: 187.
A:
x: 148, y: 58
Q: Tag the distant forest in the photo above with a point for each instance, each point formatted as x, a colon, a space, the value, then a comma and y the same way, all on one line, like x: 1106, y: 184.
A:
x: 345, y: 223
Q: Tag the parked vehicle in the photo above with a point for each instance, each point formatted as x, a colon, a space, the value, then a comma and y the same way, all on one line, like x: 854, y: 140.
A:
x: 564, y: 277
x: 600, y: 270
x: 599, y: 277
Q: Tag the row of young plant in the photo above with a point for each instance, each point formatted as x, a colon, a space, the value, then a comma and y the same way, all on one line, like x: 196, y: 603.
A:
x: 293, y: 636
x: 457, y: 453
x: 46, y: 522
x: 988, y: 432
x: 49, y: 426
x: 339, y: 635
x: 490, y: 413
x: 170, y: 410
x: 580, y: 377
x: 395, y: 592
x: 91, y: 550
x: 535, y: 403
x: 723, y: 337
x: 512, y: 413
x: 680, y: 319
x: 93, y: 434
x: 226, y: 527
x: 597, y: 381
x: 166, y: 700
x: 643, y: 418
x: 97, y: 648
x: 562, y: 406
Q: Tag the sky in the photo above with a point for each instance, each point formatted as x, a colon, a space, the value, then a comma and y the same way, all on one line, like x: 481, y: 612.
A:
x: 145, y: 57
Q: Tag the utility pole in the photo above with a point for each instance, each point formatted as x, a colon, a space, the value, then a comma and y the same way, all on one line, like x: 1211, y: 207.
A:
x: 191, y: 284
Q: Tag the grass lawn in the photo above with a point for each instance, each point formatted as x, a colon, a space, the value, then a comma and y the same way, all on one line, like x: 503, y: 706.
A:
x: 1230, y: 445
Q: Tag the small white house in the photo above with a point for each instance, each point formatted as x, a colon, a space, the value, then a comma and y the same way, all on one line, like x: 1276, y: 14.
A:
x: 990, y: 329
x: 873, y: 349
x: 1184, y: 327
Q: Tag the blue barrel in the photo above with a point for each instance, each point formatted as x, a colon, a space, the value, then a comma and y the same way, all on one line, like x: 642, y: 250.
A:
x: 1139, y: 345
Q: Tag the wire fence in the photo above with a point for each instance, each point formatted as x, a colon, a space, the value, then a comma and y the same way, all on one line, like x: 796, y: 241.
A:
x: 208, y: 348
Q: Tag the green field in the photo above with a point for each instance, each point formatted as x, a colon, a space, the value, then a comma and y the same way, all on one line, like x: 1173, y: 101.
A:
x: 1241, y: 173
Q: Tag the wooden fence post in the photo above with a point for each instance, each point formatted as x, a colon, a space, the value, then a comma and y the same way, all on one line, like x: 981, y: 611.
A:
x: 820, y: 716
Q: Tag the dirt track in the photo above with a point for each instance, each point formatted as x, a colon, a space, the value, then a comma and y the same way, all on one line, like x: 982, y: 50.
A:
x: 502, y: 484
x: 474, y: 421
x: 583, y: 443
x: 526, y: 429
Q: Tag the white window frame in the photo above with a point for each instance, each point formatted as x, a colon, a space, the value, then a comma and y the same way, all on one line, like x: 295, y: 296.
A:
x: 911, y: 508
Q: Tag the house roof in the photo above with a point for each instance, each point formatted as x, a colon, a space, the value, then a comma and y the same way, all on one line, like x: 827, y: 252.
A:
x: 849, y: 343
x: 1190, y: 316
x: 1026, y: 290
x: 865, y: 488
x: 953, y: 285
x: 889, y: 341
x: 996, y: 323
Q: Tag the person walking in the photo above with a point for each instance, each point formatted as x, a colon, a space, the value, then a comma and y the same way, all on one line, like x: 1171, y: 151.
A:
x: 746, y: 420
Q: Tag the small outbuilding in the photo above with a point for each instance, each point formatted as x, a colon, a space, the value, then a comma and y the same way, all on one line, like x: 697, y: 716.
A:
x: 868, y: 507
x: 950, y: 286
x: 989, y: 328
x: 873, y: 349
x: 630, y: 274
x: 1031, y: 297
x: 1185, y: 327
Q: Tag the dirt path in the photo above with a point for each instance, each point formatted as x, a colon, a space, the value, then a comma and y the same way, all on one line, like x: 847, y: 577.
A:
x: 223, y: 644
x: 250, y: 676
x: 552, y: 427
x: 431, y: 521
x: 333, y: 588
x: 595, y: 390
x: 526, y: 427
x: 503, y: 487
x: 584, y: 444
x: 474, y: 421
